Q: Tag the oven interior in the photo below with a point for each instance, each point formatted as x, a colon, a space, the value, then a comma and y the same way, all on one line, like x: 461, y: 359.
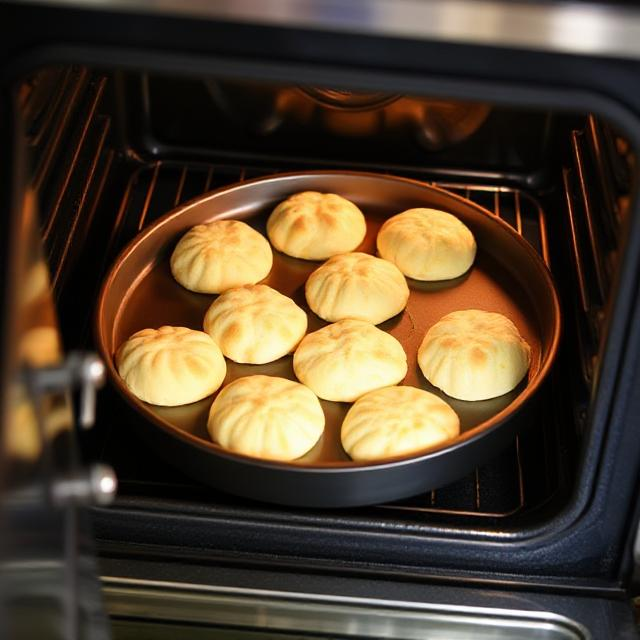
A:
x: 111, y: 151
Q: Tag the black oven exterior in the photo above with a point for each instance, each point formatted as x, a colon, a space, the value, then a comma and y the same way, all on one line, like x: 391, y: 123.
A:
x: 586, y: 548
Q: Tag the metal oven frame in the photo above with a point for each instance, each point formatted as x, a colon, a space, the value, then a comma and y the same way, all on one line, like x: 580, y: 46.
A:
x: 586, y: 546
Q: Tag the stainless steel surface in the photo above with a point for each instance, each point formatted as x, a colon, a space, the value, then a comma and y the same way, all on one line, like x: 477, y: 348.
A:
x: 566, y: 27
x: 92, y: 375
x: 327, y: 616
x: 94, y: 485
x: 83, y: 370
x: 636, y: 546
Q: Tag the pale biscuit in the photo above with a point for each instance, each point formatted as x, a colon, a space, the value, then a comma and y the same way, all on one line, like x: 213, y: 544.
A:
x: 397, y: 421
x: 26, y: 431
x: 266, y: 417
x: 316, y: 226
x: 214, y: 257
x: 359, y: 286
x: 255, y: 324
x: 474, y: 355
x: 171, y: 366
x: 427, y: 244
x: 347, y: 359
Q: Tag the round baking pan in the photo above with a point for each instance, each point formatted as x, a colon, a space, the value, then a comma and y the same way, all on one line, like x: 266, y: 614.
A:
x: 508, y: 276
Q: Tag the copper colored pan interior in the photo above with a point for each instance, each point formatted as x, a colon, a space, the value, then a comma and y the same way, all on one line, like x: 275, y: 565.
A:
x: 507, y: 277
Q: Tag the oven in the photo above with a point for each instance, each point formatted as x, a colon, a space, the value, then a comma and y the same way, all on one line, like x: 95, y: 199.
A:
x: 114, y: 114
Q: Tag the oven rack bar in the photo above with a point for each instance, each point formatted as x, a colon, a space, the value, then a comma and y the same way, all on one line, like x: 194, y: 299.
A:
x: 68, y: 134
x: 593, y: 217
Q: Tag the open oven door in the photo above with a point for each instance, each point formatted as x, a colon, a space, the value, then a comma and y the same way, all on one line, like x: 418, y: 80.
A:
x: 48, y: 577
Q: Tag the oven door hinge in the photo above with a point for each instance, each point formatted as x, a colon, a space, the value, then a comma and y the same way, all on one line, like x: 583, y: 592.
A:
x: 83, y: 371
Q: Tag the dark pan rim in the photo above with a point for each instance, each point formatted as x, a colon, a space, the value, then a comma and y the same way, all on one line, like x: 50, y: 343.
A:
x: 462, y: 440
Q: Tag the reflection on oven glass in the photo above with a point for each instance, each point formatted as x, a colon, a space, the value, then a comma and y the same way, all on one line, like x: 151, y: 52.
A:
x: 264, y: 109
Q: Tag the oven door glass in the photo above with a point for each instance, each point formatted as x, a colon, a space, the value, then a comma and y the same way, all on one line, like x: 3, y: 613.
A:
x: 48, y: 580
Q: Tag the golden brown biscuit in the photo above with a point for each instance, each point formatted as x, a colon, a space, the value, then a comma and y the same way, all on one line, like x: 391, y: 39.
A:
x: 171, y: 366
x: 316, y: 226
x: 347, y: 359
x: 358, y: 286
x: 266, y: 417
x: 221, y: 255
x: 255, y: 324
x: 474, y: 355
x: 427, y: 244
x: 397, y: 421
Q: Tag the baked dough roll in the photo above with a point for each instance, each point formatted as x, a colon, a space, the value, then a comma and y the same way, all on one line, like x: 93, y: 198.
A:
x: 316, y: 226
x: 220, y: 255
x: 358, y: 286
x: 266, y: 417
x: 474, y: 355
x: 427, y: 244
x: 397, y: 421
x: 171, y: 366
x: 347, y: 359
x: 255, y: 324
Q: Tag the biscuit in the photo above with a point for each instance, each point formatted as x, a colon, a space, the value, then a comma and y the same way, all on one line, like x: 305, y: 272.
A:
x: 397, y: 421
x: 266, y: 417
x: 171, y: 366
x: 316, y: 226
x: 220, y: 255
x: 427, y: 244
x: 358, y: 286
x: 347, y: 359
x: 474, y: 355
x: 255, y: 324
